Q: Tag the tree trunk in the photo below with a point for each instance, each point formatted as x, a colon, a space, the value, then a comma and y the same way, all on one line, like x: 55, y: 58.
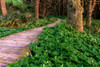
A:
x: 44, y: 8
x: 74, y: 14
x: 32, y: 1
x: 59, y: 3
x: 36, y: 9
x: 3, y: 7
x: 90, y: 7
x: 64, y: 7
x: 89, y: 13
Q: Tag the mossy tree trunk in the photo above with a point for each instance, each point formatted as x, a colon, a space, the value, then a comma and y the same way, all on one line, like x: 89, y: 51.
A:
x: 37, y: 9
x: 75, y: 14
x: 3, y: 7
x: 90, y: 7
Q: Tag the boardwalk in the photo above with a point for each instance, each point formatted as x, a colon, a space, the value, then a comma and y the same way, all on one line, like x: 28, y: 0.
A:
x: 15, y: 46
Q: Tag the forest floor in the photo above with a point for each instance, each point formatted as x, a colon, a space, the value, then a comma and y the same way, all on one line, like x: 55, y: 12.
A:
x: 15, y: 46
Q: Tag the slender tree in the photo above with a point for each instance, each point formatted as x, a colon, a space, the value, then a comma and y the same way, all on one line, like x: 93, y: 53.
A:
x: 90, y: 7
x: 36, y: 9
x: 59, y: 7
x: 64, y: 7
x: 74, y: 14
x: 44, y: 8
x: 3, y: 7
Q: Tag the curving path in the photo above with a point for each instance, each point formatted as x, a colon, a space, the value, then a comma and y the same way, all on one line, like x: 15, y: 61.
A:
x: 15, y: 46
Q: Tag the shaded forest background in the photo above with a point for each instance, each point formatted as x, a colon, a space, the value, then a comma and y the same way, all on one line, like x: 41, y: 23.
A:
x: 59, y: 7
x: 44, y: 8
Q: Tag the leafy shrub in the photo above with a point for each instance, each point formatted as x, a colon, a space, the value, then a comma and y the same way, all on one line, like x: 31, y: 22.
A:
x: 15, y: 2
x: 17, y: 22
x: 63, y: 46
x: 4, y: 31
x: 95, y: 27
x: 18, y: 3
x: 14, y: 19
x: 52, y: 19
x: 40, y: 22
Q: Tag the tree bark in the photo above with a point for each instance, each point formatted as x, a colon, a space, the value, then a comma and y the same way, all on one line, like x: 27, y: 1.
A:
x: 64, y: 7
x: 44, y: 8
x: 59, y: 4
x: 74, y: 14
x: 36, y: 9
x: 90, y: 7
x: 3, y: 7
x: 89, y: 13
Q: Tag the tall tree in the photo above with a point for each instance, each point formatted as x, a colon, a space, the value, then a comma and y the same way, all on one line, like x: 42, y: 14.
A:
x: 44, y: 8
x: 74, y: 14
x: 59, y: 9
x: 90, y: 7
x: 3, y: 7
x: 64, y: 7
x: 37, y: 9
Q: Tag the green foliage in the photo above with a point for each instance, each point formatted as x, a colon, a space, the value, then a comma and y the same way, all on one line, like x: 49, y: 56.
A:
x: 4, y: 31
x: 14, y: 19
x: 52, y: 18
x: 17, y: 19
x: 42, y: 22
x: 95, y: 26
x: 62, y: 46
x: 17, y: 22
x: 16, y: 3
x: 19, y: 5
x: 61, y: 17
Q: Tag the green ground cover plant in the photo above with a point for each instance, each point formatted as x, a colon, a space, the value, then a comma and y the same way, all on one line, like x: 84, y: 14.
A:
x: 63, y: 46
x: 4, y: 31
x: 95, y: 28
